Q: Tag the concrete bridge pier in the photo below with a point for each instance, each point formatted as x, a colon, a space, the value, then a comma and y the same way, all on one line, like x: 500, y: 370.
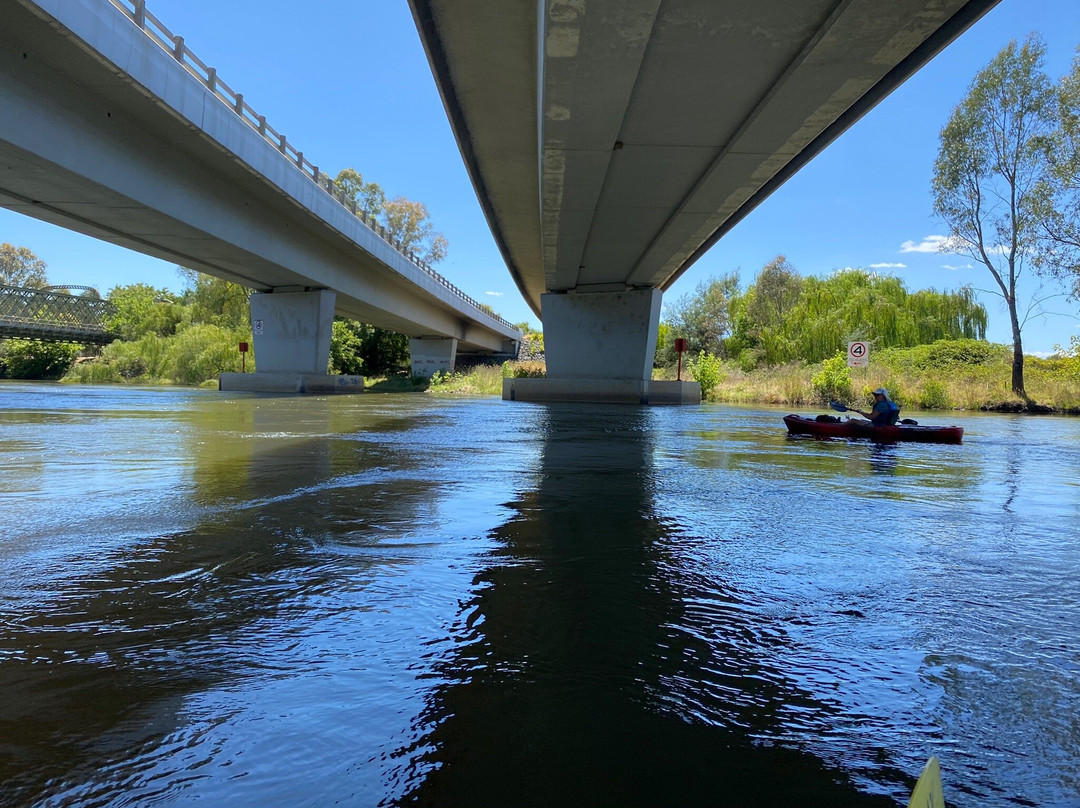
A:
x: 291, y: 332
x: 431, y: 355
x: 600, y: 346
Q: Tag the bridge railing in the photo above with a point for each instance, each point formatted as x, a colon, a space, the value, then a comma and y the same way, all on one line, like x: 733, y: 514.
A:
x: 41, y: 314
x: 174, y: 44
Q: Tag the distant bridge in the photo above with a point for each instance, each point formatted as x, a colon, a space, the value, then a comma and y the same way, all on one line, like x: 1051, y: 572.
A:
x: 53, y: 316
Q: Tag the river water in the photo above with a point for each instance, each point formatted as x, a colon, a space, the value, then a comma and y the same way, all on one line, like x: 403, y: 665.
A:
x: 405, y: 600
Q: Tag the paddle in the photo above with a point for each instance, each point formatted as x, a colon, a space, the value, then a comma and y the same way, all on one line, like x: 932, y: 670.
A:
x: 836, y: 405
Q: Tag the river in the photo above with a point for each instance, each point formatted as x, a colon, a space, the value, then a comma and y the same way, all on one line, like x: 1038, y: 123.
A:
x: 385, y: 600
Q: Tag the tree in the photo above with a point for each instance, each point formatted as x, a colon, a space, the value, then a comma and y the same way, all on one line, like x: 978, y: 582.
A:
x: 857, y: 304
x: 140, y: 309
x: 215, y: 301
x: 702, y: 317
x: 357, y: 347
x: 775, y: 292
x: 1059, y: 200
x: 20, y: 267
x: 407, y: 223
x: 990, y: 166
x: 368, y: 196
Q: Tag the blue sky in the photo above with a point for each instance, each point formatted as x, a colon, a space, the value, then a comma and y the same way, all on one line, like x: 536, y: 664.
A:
x: 347, y: 81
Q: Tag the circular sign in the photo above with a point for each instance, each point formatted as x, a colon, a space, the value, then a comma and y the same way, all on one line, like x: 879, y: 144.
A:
x: 858, y: 354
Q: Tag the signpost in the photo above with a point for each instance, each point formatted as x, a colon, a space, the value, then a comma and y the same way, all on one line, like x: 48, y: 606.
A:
x: 243, y: 357
x: 858, y: 354
x: 680, y: 349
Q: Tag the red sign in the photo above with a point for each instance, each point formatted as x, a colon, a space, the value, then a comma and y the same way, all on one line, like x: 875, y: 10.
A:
x: 243, y: 347
x: 680, y: 345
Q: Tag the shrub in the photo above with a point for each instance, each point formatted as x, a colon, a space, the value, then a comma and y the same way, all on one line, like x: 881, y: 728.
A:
x: 524, y: 370
x: 29, y: 359
x: 346, y: 347
x: 708, y: 371
x: 833, y: 381
x: 201, y: 352
x: 934, y: 396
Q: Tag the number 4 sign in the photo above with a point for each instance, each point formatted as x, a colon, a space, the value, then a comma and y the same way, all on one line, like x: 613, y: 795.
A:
x: 858, y: 354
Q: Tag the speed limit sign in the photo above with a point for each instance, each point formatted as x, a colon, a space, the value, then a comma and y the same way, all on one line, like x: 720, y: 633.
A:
x: 858, y: 354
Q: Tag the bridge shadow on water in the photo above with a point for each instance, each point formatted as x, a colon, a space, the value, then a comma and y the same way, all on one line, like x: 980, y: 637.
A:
x: 576, y: 682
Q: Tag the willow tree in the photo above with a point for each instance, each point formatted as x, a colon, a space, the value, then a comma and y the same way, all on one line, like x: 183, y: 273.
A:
x: 857, y: 304
x: 990, y: 167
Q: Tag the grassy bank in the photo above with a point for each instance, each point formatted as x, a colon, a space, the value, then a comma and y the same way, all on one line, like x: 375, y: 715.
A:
x: 949, y: 375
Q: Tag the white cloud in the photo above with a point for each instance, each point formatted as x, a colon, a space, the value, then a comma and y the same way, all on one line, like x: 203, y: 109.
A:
x: 494, y: 294
x: 888, y: 266
x: 930, y: 244
x: 961, y: 266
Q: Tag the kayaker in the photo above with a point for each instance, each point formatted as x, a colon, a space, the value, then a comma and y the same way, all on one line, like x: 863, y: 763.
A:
x: 885, y: 411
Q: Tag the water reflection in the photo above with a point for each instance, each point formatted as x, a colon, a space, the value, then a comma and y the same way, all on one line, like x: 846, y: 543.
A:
x: 577, y: 679
x: 249, y: 601
x: 102, y: 653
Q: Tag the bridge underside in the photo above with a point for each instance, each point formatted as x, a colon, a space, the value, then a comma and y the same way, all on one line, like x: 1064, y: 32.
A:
x: 103, y: 132
x: 612, y: 142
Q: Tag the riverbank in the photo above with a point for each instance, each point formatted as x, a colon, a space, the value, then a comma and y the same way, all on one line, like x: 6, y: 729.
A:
x: 915, y: 380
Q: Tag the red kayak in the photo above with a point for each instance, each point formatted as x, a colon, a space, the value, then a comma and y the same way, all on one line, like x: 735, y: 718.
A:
x: 798, y: 425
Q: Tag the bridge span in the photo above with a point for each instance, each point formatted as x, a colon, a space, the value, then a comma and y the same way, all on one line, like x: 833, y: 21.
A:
x: 612, y: 142
x: 110, y: 126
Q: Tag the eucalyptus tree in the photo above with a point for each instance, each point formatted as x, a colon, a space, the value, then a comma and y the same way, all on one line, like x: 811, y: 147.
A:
x: 1060, y: 202
x: 20, y: 267
x: 406, y: 222
x: 702, y: 317
x: 991, y: 164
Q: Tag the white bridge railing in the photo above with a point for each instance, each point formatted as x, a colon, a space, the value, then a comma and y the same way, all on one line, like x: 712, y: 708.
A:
x: 173, y: 44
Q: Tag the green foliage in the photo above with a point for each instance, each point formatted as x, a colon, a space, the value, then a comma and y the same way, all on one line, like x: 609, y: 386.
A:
x: 1058, y: 195
x: 992, y: 169
x: 140, y: 309
x: 934, y: 396
x: 664, y: 343
x: 357, y: 348
x: 833, y: 381
x: 346, y: 347
x: 523, y: 370
x: 943, y: 354
x: 20, y: 267
x: 202, y: 352
x: 856, y: 304
x: 707, y: 370
x: 406, y: 222
x: 481, y: 380
x: 701, y: 318
x: 368, y: 196
x: 384, y: 351
x: 28, y: 359
x: 216, y: 302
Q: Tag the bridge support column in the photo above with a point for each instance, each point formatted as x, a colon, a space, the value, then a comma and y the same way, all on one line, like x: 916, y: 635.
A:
x: 291, y: 334
x: 430, y: 355
x: 600, y: 346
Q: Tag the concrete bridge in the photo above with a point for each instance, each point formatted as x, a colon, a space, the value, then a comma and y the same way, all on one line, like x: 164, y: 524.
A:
x: 612, y: 142
x: 111, y: 126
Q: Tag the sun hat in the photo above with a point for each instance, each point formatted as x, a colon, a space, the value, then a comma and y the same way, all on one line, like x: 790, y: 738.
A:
x: 881, y: 391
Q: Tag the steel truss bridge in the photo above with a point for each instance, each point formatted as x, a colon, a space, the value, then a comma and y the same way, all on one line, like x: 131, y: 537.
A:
x: 52, y: 316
